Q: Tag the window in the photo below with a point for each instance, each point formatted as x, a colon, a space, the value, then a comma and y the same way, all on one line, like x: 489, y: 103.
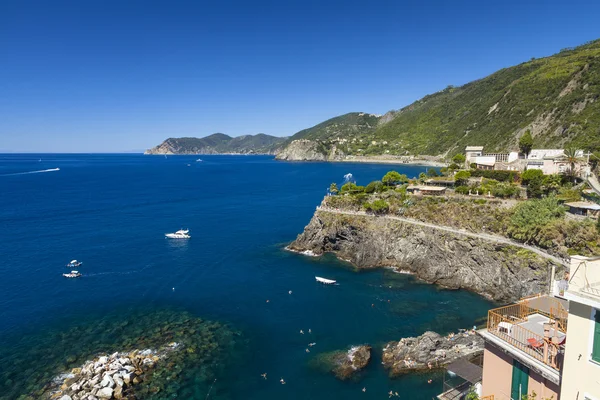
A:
x: 596, y: 337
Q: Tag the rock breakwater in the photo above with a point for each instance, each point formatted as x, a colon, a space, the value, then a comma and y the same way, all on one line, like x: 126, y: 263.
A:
x: 429, y: 351
x: 347, y: 364
x: 109, y: 376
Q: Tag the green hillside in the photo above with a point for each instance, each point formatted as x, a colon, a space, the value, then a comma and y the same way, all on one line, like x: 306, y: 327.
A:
x: 556, y: 97
x: 345, y: 126
x: 219, y: 143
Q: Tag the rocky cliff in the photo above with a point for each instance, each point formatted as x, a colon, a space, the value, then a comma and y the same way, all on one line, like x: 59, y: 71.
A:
x: 497, y: 271
x: 309, y: 150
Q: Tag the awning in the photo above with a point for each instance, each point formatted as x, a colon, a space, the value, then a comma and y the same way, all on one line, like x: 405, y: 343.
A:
x: 466, y: 370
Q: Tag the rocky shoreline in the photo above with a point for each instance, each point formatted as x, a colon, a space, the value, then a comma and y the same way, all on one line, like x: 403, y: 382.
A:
x: 497, y: 271
x: 429, y: 351
x: 344, y: 364
x: 108, y: 376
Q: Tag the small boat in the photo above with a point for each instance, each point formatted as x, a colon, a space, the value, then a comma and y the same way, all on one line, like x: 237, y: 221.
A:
x: 72, y: 274
x: 74, y: 264
x: 325, y: 281
x: 199, y: 160
x: 189, y: 165
x: 180, y: 234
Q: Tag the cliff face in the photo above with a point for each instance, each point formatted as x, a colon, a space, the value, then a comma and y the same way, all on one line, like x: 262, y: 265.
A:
x: 309, y: 150
x: 497, y: 271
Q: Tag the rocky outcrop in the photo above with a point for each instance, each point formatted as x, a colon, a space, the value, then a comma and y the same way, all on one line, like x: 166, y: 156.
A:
x: 303, y: 150
x: 345, y: 364
x: 429, y: 351
x: 497, y: 271
x: 108, y: 376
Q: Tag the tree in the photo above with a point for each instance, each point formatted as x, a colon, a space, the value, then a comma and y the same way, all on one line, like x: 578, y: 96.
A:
x: 453, y: 166
x: 462, y: 178
x: 529, y: 217
x: 378, y: 206
x: 459, y: 159
x: 526, y: 143
x: 374, y: 187
x: 432, y: 172
x: 422, y: 177
x: 534, y: 187
x: 393, y: 177
x: 333, y: 189
x: 598, y: 224
x: 572, y: 158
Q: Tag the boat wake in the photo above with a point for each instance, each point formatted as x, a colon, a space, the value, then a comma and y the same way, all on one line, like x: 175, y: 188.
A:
x: 33, y: 172
x: 116, y: 272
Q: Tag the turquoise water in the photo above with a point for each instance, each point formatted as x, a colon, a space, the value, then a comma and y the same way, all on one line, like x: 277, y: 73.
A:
x: 111, y: 212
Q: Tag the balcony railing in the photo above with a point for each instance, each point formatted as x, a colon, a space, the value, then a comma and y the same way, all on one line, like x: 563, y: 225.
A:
x: 511, y: 324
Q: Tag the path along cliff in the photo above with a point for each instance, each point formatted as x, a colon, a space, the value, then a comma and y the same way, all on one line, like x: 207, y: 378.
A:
x: 490, y: 265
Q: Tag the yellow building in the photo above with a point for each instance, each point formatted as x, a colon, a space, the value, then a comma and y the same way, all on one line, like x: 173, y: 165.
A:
x: 581, y: 372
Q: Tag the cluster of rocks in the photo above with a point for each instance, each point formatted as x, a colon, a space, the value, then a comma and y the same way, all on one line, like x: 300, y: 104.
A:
x: 346, y: 364
x: 108, y: 376
x: 429, y: 351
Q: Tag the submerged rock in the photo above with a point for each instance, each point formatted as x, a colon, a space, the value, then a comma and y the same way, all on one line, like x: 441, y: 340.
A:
x: 345, y: 364
x: 429, y: 351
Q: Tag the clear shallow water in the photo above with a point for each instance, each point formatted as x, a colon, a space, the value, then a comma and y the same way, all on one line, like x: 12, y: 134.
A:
x: 111, y: 212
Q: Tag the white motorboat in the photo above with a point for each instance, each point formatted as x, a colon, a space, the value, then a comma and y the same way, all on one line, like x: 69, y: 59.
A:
x: 180, y: 234
x: 74, y: 264
x: 325, y: 281
x: 72, y: 274
x: 199, y: 160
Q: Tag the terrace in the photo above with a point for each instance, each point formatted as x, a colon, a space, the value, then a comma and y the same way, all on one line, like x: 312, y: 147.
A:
x: 534, y: 327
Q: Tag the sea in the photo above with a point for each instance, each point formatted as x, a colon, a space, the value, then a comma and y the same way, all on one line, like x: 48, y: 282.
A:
x: 111, y: 211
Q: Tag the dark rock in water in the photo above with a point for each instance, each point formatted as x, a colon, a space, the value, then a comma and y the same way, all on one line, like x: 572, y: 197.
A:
x: 345, y: 364
x: 429, y: 351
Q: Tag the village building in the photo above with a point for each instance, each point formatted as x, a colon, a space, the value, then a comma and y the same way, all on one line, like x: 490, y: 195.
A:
x: 584, y: 208
x: 550, y: 161
x: 581, y: 371
x: 426, y: 190
x: 524, y: 346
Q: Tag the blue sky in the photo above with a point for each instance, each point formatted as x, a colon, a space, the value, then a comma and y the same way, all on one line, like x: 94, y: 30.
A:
x: 103, y: 75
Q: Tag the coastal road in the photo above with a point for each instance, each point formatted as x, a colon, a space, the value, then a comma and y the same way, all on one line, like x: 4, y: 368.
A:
x: 483, y: 236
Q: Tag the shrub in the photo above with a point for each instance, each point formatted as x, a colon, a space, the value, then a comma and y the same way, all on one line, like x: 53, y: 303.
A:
x: 531, y: 174
x: 462, y: 189
x: 501, y: 176
x: 432, y: 172
x: 351, y: 188
x: 375, y: 187
x: 378, y: 206
x: 333, y: 189
x: 462, y: 177
x: 531, y: 216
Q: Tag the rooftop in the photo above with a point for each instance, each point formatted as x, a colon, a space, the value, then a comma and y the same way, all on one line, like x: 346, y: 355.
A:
x: 474, y: 148
x: 584, y: 204
x: 426, y: 188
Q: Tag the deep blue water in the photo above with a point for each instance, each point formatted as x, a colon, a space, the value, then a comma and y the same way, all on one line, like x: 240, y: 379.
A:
x: 111, y: 212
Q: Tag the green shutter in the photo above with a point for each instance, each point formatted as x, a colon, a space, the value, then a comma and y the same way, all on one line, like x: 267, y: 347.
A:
x: 520, y: 381
x: 596, y: 339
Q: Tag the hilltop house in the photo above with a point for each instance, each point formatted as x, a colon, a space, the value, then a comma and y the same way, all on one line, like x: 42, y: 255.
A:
x: 550, y: 161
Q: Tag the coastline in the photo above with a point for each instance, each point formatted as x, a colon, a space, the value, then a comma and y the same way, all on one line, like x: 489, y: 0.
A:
x: 373, y: 160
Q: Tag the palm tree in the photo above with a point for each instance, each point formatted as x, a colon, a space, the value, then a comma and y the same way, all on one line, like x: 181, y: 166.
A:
x: 572, y: 157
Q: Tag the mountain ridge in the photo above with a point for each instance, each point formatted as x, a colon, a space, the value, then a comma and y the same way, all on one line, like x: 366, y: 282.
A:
x: 220, y: 143
x: 555, y: 97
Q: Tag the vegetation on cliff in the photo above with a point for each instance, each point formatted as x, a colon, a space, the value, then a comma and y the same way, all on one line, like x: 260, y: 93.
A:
x: 220, y: 143
x: 541, y: 222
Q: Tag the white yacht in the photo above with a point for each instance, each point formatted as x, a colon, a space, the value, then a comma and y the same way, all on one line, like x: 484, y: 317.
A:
x: 180, y: 234
x: 72, y: 274
x: 74, y: 264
